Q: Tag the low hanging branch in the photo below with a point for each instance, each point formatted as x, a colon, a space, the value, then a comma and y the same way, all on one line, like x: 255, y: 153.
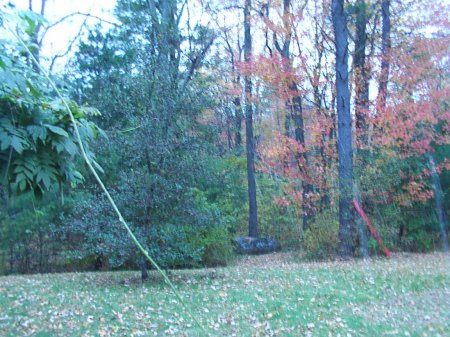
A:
x: 103, y: 187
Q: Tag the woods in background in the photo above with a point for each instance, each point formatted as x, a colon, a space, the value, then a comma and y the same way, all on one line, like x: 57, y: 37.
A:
x: 334, y: 100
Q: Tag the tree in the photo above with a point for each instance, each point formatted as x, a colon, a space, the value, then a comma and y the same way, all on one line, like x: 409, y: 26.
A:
x: 34, y: 36
x: 385, y: 52
x: 438, y: 201
x: 295, y: 109
x: 361, y: 70
x: 249, y: 140
x: 161, y: 142
x: 231, y: 86
x: 339, y: 17
x: 362, y: 104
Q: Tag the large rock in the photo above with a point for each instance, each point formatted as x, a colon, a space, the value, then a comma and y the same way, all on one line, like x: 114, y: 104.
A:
x: 248, y: 245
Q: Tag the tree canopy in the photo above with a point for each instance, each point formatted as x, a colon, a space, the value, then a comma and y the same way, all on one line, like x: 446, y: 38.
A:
x: 335, y: 101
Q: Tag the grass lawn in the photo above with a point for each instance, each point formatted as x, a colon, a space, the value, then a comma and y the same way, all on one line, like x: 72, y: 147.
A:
x: 271, y: 295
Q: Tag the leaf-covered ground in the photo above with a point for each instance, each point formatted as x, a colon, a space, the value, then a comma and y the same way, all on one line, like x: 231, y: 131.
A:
x: 271, y: 295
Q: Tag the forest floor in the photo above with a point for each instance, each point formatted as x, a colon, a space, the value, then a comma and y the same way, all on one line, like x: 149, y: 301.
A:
x: 270, y: 295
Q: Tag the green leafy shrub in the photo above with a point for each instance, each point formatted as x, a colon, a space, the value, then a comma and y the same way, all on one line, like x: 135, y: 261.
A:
x: 403, y: 220
x: 27, y: 243
x: 420, y: 225
x: 226, y: 188
x: 38, y: 144
x: 215, y: 243
x: 208, y: 231
x: 321, y: 238
x: 410, y: 228
x: 275, y: 220
x: 197, y: 236
x: 172, y: 246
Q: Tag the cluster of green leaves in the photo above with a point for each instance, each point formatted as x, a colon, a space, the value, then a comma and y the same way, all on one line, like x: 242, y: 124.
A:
x: 158, y: 149
x: 90, y: 233
x: 402, y: 222
x: 321, y: 238
x: 27, y: 231
x: 38, y: 146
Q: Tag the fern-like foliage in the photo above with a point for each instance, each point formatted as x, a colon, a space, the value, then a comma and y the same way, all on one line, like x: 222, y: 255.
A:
x: 38, y: 148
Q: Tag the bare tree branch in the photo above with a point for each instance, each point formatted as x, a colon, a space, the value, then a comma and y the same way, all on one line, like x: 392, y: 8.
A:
x: 69, y: 47
x: 197, y: 60
x: 68, y: 16
x: 181, y: 12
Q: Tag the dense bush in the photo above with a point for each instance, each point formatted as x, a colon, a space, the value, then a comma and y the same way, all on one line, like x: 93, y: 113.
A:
x: 215, y: 244
x: 321, y: 238
x: 278, y: 221
x: 405, y: 221
x: 197, y: 233
x: 27, y: 232
x: 413, y: 228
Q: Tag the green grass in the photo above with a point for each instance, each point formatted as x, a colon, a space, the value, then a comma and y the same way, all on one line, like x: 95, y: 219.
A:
x: 271, y: 295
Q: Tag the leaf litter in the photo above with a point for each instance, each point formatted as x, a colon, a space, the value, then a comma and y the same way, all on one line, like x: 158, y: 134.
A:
x: 268, y: 295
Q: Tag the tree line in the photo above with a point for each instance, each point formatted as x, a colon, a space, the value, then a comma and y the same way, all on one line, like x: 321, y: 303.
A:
x: 211, y: 120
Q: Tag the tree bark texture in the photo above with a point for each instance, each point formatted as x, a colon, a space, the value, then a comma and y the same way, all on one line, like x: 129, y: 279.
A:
x: 344, y: 129
x: 438, y: 201
x: 385, y: 50
x: 250, y: 147
x: 238, y: 122
x: 361, y: 103
x: 361, y: 72
x: 307, y: 188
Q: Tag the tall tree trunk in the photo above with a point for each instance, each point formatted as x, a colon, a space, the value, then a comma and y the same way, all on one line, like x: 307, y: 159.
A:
x: 295, y: 109
x: 361, y: 73
x: 361, y: 104
x: 250, y: 147
x: 238, y: 122
x: 344, y: 129
x: 11, y: 257
x: 307, y: 188
x: 229, y: 119
x: 385, y: 51
x: 143, y: 267
x: 438, y: 201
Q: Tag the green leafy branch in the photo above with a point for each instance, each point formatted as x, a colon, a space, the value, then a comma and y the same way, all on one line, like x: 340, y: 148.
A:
x: 78, y: 135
